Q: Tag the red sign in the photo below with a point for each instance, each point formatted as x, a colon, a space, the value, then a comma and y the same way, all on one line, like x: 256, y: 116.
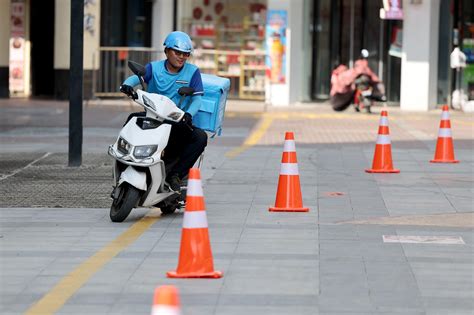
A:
x: 17, y: 46
x: 17, y: 15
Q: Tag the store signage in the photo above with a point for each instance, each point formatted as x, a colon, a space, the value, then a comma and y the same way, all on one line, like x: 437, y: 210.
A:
x: 17, y: 47
x: 392, y: 10
x: 276, y: 46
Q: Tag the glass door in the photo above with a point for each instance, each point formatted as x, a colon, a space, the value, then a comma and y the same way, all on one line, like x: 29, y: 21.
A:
x: 325, y: 43
x: 341, y: 29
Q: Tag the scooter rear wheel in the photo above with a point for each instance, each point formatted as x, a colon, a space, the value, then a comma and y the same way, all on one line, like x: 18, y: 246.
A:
x: 125, y: 202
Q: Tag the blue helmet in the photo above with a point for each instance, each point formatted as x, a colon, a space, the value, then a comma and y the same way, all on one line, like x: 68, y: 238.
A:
x: 179, y: 41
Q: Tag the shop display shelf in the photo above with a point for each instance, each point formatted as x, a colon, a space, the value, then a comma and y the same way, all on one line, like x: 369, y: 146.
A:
x: 228, y: 74
x: 254, y: 68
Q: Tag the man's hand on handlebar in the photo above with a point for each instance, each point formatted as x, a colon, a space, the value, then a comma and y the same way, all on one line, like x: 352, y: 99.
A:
x: 129, y: 91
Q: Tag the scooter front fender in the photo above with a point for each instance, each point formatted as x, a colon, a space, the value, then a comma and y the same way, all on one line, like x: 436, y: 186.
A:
x: 134, y: 178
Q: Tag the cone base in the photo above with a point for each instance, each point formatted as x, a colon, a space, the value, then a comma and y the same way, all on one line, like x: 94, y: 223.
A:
x: 382, y: 171
x: 214, y: 274
x: 444, y: 161
x: 277, y: 209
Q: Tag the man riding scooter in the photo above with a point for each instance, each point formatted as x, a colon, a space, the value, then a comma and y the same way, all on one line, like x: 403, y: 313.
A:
x: 165, y: 77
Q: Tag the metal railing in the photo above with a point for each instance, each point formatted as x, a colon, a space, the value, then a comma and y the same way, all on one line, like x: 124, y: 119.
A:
x: 111, y: 63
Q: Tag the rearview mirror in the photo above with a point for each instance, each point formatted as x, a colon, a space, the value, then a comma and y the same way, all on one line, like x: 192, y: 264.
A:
x: 186, y: 90
x: 136, y: 68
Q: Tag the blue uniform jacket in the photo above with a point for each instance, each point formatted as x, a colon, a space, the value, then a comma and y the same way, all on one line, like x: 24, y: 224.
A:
x: 159, y: 80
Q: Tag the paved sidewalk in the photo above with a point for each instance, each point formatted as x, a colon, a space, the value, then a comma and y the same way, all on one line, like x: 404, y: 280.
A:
x: 332, y: 260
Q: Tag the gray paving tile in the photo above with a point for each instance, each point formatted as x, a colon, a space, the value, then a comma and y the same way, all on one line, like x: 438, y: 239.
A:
x: 449, y: 304
x: 269, y: 309
x: 94, y: 309
x: 274, y: 263
x: 345, y: 303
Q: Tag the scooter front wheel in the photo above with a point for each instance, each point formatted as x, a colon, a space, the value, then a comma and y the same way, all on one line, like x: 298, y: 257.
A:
x: 122, y: 206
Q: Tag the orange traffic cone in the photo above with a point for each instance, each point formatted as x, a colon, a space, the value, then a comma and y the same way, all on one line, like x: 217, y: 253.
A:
x: 288, y: 198
x: 166, y: 301
x: 382, y: 162
x: 444, y: 145
x: 195, y: 256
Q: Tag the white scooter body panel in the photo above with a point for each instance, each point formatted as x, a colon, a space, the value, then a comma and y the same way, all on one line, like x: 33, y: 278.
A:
x: 133, y: 177
x: 161, y: 107
x: 135, y: 136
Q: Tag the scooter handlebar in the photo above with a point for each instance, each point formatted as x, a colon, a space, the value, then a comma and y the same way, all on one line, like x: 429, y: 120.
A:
x: 129, y: 91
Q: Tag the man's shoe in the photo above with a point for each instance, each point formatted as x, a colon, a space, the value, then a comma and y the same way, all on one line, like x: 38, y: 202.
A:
x: 175, y: 183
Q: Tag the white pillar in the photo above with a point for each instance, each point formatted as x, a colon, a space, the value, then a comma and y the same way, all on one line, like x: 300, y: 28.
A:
x: 297, y: 57
x: 290, y: 91
x: 162, y: 22
x: 92, y: 36
x: 62, y: 34
x: 420, y: 55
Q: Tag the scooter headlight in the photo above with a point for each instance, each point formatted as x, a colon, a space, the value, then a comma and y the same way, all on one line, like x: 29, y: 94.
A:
x: 175, y: 115
x: 148, y: 102
x: 123, y: 146
x: 144, y: 151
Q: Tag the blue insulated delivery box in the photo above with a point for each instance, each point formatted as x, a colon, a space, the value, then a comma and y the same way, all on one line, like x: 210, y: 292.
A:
x: 211, y: 114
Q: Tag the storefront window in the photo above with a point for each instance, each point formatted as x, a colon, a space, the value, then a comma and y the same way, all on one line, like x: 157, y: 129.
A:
x: 392, y: 59
x: 456, y: 29
x: 468, y: 47
x: 323, y: 55
x: 229, y: 41
x: 444, y: 51
x: 126, y: 23
x: 342, y: 28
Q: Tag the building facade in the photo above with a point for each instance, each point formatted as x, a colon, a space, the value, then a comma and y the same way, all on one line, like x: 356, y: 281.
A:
x: 280, y: 51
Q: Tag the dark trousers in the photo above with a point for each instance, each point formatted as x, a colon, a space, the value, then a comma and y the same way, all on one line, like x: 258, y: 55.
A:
x: 184, y: 144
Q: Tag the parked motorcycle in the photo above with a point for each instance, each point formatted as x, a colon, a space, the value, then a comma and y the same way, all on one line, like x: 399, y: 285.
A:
x: 363, y: 94
x: 359, y: 86
x: 139, y: 172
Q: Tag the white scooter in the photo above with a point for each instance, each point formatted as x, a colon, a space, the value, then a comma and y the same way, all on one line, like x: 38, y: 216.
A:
x: 139, y: 171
